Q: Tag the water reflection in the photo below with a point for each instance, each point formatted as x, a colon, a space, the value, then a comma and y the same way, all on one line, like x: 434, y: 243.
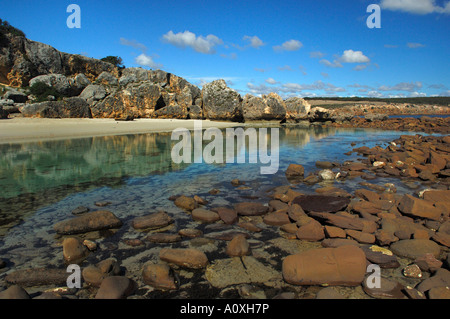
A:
x: 35, y: 167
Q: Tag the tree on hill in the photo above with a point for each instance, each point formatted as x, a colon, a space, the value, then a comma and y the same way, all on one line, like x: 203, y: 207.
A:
x: 114, y: 60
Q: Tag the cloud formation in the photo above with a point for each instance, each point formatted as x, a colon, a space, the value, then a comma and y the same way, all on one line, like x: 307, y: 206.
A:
x: 134, y: 44
x: 291, y: 45
x: 415, y: 6
x: 146, y: 60
x: 254, y: 41
x: 205, y: 45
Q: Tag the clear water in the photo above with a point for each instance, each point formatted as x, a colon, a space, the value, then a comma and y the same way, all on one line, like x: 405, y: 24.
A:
x: 41, y: 183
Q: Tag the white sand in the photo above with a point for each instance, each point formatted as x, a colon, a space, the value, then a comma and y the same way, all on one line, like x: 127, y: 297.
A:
x: 20, y: 130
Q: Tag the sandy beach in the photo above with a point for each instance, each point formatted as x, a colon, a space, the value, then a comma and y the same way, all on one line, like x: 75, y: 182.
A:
x: 20, y: 130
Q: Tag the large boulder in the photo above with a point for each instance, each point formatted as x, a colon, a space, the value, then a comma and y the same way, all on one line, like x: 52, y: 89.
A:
x: 266, y: 108
x: 221, y: 102
x: 72, y: 107
x: 296, y: 109
x: 343, y: 266
x: 16, y: 96
x: 139, y: 100
x: 93, y: 92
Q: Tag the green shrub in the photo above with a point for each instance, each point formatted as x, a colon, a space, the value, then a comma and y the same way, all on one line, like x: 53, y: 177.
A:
x: 41, y: 91
x: 5, y: 27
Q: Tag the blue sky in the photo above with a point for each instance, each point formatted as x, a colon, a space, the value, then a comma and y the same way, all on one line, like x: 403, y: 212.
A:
x: 298, y: 48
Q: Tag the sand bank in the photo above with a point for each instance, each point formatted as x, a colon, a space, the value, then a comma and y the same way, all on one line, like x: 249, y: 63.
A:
x: 21, y: 130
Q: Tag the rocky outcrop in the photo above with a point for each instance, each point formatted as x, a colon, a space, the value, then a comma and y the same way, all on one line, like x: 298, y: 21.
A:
x: 220, y: 102
x: 268, y: 107
x: 297, y: 109
x: 22, y: 59
x: 73, y: 107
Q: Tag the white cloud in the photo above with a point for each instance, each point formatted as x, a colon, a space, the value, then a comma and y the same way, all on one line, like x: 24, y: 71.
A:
x: 317, y: 54
x: 334, y: 64
x: 291, y: 45
x: 271, y: 81
x: 146, y: 60
x: 285, y: 68
x: 415, y: 6
x: 403, y: 86
x: 254, y: 41
x: 134, y: 44
x: 351, y: 56
x: 415, y: 45
x: 325, y: 75
x: 231, y: 56
x: 360, y: 67
x: 205, y: 45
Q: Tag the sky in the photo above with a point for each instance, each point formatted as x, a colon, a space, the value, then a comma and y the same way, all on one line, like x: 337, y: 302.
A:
x: 307, y: 48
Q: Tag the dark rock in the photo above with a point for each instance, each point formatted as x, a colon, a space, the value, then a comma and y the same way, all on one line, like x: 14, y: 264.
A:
x: 238, y: 246
x: 91, y: 221
x: 205, y: 215
x: 184, y: 257
x: 37, y: 277
x: 152, y: 221
x: 159, y: 276
x: 163, y: 238
x: 388, y: 289
x: 14, y: 292
x: 116, y: 287
x: 414, y: 248
x: 251, y: 209
x: 321, y: 203
x: 227, y: 215
x: 381, y: 256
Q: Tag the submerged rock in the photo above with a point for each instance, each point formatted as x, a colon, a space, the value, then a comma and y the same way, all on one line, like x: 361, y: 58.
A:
x: 87, y: 222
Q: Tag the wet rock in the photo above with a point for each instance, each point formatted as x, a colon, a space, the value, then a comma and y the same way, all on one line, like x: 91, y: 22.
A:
x: 190, y: 232
x: 205, y: 216
x: 439, y: 293
x: 152, y: 221
x: 238, y: 246
x: 321, y: 203
x: 277, y: 218
x: 295, y: 171
x: 91, y: 221
x: 251, y: 209
x: 324, y: 164
x: 37, y: 277
x: 227, y: 215
x: 388, y: 289
x: 159, y: 276
x: 133, y: 242
x: 334, y: 232
x: 364, y: 238
x: 163, y: 238
x: 290, y: 228
x: 338, y: 242
x: 344, y: 266
x: 187, y: 203
x: 428, y: 262
x: 14, y: 292
x: 327, y: 175
x: 184, y: 257
x: 311, y: 231
x: 250, y: 226
x: 412, y: 293
x: 416, y: 207
x: 441, y: 238
x: 441, y: 278
x: 329, y: 293
x: 345, y: 222
x: 381, y: 256
x: 414, y: 248
x: 74, y: 251
x: 80, y: 210
x: 116, y: 287
x: 200, y: 200
x: 234, y: 271
x: 93, y: 275
x: 412, y: 271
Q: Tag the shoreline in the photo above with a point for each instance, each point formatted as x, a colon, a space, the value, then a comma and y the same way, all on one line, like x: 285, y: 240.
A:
x: 25, y: 130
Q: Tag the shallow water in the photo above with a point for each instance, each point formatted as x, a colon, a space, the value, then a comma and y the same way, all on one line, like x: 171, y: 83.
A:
x: 41, y: 183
